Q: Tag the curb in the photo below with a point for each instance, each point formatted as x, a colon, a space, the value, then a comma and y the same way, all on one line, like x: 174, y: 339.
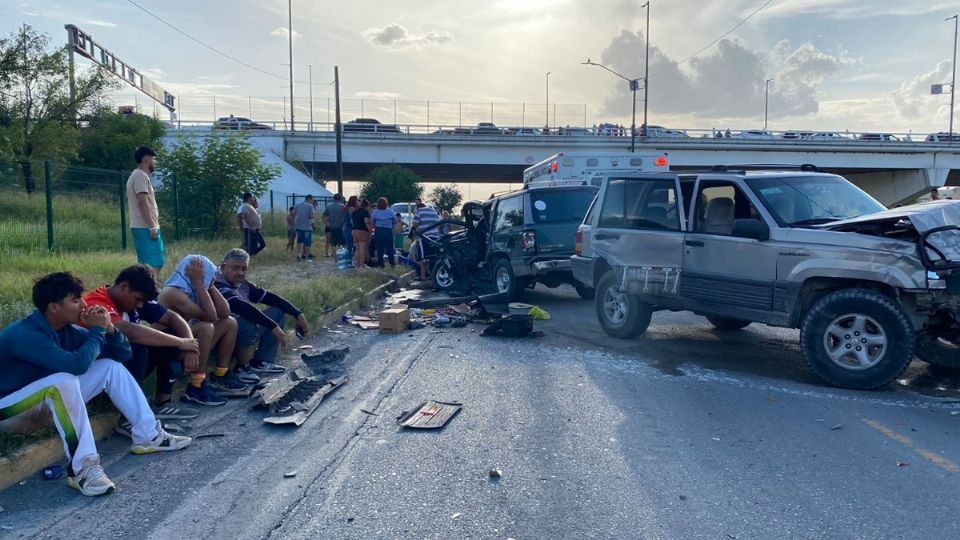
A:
x: 365, y: 300
x: 31, y: 458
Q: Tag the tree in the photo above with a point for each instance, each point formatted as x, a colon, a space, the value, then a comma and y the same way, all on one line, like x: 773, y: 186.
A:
x: 38, y: 116
x: 109, y: 139
x: 395, y: 182
x: 208, y: 179
x: 446, y: 197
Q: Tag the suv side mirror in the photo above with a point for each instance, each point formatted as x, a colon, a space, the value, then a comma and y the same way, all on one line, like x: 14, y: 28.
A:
x: 751, y: 228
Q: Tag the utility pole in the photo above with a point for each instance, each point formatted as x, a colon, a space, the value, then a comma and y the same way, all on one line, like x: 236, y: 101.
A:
x: 290, y: 32
x: 336, y: 125
x: 310, y: 70
x: 646, y: 75
x: 766, y: 101
x: 547, y: 106
x: 953, y: 81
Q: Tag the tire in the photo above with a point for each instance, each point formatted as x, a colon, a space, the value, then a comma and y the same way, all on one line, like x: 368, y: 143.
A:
x: 442, y: 279
x: 620, y: 314
x: 725, y: 323
x: 505, y: 282
x: 829, y: 338
x: 586, y: 293
x: 938, y: 353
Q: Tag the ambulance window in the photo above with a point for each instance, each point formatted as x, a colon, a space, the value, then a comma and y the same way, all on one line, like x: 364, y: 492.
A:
x: 593, y: 162
x: 636, y: 162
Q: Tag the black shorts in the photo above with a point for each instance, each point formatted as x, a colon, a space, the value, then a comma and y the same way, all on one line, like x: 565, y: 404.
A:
x: 336, y: 236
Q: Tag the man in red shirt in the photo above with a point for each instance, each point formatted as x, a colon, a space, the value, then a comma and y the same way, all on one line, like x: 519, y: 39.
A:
x: 168, y: 345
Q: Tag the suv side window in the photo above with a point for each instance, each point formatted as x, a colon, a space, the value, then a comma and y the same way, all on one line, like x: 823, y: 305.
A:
x: 509, y: 213
x: 640, y: 204
x: 719, y: 205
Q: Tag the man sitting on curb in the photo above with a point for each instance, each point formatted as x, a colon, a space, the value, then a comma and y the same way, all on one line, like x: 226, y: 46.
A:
x: 263, y: 329
x: 132, y: 299
x: 45, y: 359
x: 190, y: 292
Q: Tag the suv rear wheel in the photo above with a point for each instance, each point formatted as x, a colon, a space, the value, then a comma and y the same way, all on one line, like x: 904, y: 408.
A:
x: 620, y: 314
x: 505, y: 281
x: 857, y: 338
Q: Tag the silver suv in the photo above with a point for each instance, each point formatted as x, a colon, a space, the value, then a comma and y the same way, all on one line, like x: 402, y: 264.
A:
x: 867, y: 287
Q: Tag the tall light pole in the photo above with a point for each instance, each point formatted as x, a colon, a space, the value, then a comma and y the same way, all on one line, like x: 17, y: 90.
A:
x: 310, y: 82
x: 290, y: 32
x: 646, y: 74
x: 634, y: 86
x: 766, y: 101
x: 953, y: 81
x: 547, y: 106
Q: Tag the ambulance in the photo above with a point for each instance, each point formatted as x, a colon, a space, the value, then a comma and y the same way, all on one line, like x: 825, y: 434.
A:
x: 587, y: 168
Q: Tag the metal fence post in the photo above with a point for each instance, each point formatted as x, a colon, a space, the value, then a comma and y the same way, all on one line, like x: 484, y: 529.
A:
x: 48, y: 188
x: 273, y: 209
x: 176, y: 208
x: 123, y: 213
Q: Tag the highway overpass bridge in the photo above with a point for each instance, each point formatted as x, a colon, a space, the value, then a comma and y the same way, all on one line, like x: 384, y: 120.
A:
x: 892, y: 171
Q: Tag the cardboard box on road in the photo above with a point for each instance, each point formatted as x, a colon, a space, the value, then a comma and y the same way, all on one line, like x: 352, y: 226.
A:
x: 394, y: 320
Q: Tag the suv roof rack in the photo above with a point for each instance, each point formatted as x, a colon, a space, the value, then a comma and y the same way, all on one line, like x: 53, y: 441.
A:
x: 806, y: 167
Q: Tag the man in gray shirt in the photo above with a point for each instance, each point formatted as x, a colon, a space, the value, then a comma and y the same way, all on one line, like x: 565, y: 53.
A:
x: 332, y: 220
x: 303, y: 222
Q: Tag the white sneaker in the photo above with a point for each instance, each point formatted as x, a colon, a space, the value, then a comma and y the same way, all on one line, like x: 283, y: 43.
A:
x: 91, y: 481
x: 163, y: 442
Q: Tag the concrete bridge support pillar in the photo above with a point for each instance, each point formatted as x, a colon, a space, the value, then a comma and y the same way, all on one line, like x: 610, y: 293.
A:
x: 899, y: 187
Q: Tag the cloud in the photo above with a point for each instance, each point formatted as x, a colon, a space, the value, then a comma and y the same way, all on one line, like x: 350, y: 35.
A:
x: 377, y: 95
x: 727, y: 83
x: 284, y: 32
x: 396, y: 37
x: 913, y: 99
x: 156, y: 74
x: 97, y: 22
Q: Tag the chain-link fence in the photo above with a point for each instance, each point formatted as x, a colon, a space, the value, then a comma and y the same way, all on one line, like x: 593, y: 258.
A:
x: 46, y: 205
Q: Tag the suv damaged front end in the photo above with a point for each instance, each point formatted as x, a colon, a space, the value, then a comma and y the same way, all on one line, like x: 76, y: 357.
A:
x: 934, y: 228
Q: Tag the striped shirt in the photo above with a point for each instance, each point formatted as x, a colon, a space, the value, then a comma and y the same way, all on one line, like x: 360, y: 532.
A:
x: 424, y: 217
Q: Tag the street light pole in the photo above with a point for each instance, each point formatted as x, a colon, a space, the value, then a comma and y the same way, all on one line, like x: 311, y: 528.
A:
x: 547, y: 106
x: 646, y: 74
x: 310, y: 69
x: 634, y: 86
x: 290, y: 31
x: 766, y: 101
x: 953, y: 82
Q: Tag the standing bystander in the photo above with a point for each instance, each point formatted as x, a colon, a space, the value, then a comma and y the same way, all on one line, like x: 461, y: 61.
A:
x: 383, y: 220
x: 303, y: 222
x: 291, y: 229
x: 332, y: 226
x: 251, y: 217
x: 144, y: 214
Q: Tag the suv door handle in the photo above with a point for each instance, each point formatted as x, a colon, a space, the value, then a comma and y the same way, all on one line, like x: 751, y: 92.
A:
x: 694, y: 243
x: 607, y: 236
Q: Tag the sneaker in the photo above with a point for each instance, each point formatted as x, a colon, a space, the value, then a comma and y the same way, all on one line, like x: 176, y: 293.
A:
x: 91, y: 481
x: 203, y: 395
x: 229, y: 386
x: 246, y: 375
x: 168, y: 411
x: 125, y: 428
x: 262, y: 366
x: 163, y: 442
x: 310, y: 256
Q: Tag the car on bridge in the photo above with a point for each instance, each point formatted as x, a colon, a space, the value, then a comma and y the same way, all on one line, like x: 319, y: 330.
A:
x: 369, y: 125
x: 760, y: 134
x: 796, y: 248
x: 654, y: 131
x: 238, y: 123
x: 943, y: 137
x: 878, y: 137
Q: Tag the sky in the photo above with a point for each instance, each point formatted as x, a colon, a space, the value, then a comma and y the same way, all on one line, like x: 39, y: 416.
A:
x: 857, y: 65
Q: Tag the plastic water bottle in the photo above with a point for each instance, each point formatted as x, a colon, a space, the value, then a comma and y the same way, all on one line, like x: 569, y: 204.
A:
x: 343, y: 258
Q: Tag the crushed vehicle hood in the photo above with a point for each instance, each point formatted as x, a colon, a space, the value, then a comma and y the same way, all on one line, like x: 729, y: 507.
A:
x: 923, y: 217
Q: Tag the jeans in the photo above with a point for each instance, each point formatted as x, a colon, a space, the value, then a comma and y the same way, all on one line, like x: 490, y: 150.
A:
x: 166, y: 360
x: 250, y: 334
x: 383, y: 243
x: 254, y: 241
x: 348, y: 239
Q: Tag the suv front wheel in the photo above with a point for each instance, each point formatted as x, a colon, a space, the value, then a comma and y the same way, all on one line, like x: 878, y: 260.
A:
x: 506, y: 281
x: 857, y: 338
x: 621, y: 315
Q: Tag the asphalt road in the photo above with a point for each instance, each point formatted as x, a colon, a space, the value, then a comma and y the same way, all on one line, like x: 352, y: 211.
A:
x: 686, y: 432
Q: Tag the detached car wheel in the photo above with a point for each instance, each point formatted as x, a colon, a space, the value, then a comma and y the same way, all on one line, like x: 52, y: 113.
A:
x: 857, y: 338
x: 620, y: 314
x: 505, y: 281
x: 938, y: 352
x: 586, y: 293
x: 724, y: 323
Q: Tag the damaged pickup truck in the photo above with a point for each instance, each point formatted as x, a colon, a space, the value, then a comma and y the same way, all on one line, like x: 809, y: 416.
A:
x: 868, y: 287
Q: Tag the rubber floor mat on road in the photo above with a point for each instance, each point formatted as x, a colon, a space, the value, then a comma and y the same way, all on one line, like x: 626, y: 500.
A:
x: 429, y: 415
x: 293, y: 397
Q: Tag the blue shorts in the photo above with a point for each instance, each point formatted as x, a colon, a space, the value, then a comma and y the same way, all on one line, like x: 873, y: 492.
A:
x: 149, y: 252
x: 305, y: 237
